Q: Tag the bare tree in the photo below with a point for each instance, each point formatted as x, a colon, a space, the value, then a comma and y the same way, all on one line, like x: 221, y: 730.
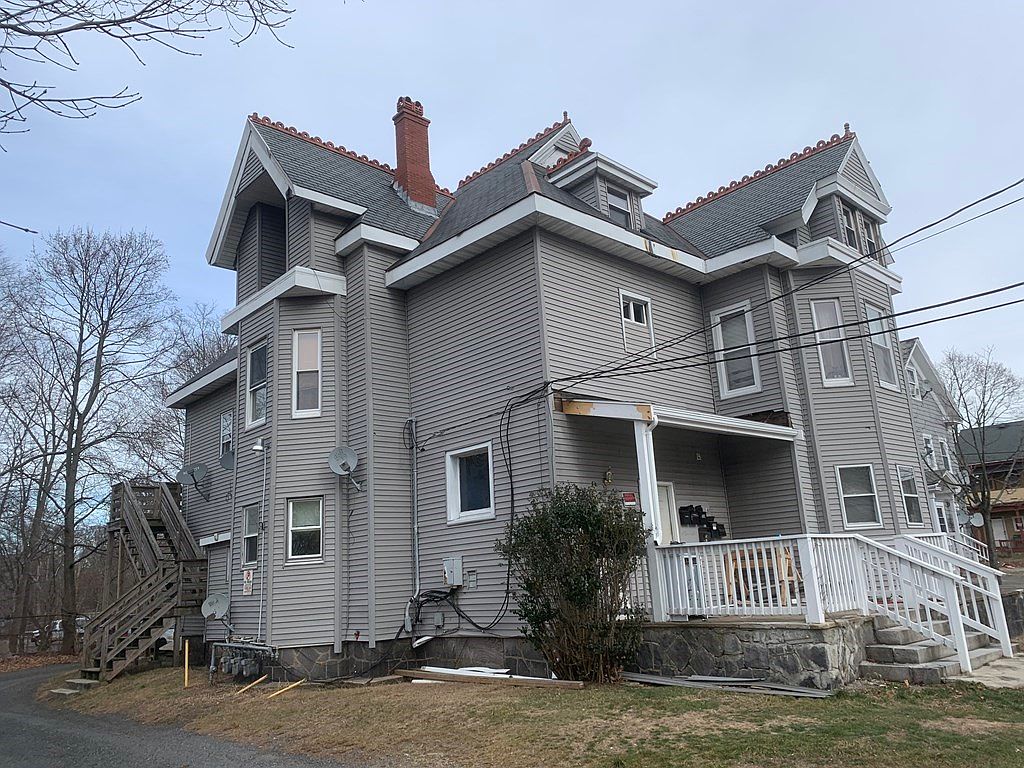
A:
x: 985, y: 392
x: 38, y: 34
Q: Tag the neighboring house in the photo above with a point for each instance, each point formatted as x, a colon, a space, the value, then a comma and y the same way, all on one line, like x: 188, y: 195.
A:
x: 1000, y: 448
x: 378, y: 311
x: 935, y: 423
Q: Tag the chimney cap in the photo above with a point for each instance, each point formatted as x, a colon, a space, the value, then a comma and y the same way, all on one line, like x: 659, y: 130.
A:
x: 407, y: 106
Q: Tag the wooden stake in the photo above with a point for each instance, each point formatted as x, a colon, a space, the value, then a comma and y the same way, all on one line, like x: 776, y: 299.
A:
x: 186, y: 662
x: 286, y: 688
x: 250, y: 685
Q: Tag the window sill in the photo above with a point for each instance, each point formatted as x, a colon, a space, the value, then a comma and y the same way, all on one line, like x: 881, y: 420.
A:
x: 916, y: 525
x: 255, y: 424
x: 472, y: 517
x: 838, y: 384
x: 291, y: 562
x: 740, y: 392
x: 305, y: 414
x: 891, y: 387
x: 862, y: 526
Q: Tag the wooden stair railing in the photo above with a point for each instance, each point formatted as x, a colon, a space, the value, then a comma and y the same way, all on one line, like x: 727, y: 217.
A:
x: 139, y: 530
x: 185, y: 545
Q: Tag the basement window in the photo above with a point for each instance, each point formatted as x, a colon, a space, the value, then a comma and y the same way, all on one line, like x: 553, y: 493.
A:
x: 470, y: 484
x: 618, y: 207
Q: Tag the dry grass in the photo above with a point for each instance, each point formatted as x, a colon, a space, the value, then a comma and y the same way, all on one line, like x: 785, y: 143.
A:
x: 33, y: 660
x: 473, y: 726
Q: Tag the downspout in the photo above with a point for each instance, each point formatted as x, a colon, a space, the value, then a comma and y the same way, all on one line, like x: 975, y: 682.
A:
x: 411, y: 424
x: 263, y: 544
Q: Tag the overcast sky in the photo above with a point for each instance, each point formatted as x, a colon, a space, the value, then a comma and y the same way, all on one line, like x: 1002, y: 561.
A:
x: 689, y: 94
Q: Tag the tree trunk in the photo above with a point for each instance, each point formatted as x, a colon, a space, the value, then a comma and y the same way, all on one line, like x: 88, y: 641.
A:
x: 990, y: 538
x: 69, y: 595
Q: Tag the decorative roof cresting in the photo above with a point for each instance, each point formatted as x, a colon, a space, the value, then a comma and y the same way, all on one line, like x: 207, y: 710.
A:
x: 511, y: 153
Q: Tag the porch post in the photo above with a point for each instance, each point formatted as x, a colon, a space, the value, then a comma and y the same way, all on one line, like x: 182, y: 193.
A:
x: 815, y: 610
x: 643, y: 434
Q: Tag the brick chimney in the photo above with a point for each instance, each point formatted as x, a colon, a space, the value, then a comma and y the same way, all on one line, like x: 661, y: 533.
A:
x: 413, y: 178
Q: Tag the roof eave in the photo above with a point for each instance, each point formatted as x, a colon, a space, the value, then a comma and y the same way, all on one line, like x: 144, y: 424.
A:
x: 204, y: 385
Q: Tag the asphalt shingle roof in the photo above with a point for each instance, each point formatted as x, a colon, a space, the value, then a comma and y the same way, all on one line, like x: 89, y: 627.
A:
x: 1000, y: 443
x: 735, y: 218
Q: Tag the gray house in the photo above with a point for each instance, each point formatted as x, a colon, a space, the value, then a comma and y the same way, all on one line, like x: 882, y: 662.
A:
x: 730, y: 368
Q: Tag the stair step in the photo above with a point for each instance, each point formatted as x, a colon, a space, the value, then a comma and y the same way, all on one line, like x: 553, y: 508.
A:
x: 921, y: 651
x: 927, y: 673
x: 900, y: 635
x: 81, y: 683
x: 64, y: 691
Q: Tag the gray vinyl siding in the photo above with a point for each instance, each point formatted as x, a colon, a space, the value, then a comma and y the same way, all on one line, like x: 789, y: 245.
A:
x: 325, y: 229
x: 272, y: 244
x: 299, y: 232
x: 856, y: 172
x: 760, y: 478
x: 217, y: 581
x: 929, y: 419
x: 303, y: 590
x: 247, y: 258
x: 261, y: 251
x: 824, y: 220
x: 249, y: 472
x: 584, y: 326
x: 587, y: 191
x: 747, y: 286
x: 474, y: 340
x: 587, y: 447
x: 250, y: 171
x: 207, y: 516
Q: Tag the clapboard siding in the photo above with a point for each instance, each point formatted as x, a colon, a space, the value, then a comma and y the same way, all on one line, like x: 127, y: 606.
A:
x: 249, y: 475
x: 261, y: 250
x: 250, y: 171
x: 761, y: 482
x: 299, y: 230
x: 325, y: 229
x: 857, y: 173
x: 474, y: 340
x: 303, y: 590
x: 584, y: 328
x: 247, y: 258
x: 747, y: 286
x: 208, y: 509
x: 217, y: 572
x: 272, y: 244
x: 824, y: 220
x: 587, y: 191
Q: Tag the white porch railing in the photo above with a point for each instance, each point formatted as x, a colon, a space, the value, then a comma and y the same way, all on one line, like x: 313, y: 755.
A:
x: 959, y: 543
x: 926, y: 588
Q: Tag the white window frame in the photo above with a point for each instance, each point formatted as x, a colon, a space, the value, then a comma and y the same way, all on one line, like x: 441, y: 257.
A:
x: 874, y: 495
x: 847, y: 228
x: 841, y: 340
x: 308, y: 412
x: 250, y: 535
x: 913, y: 381
x: 945, y: 457
x: 250, y: 391
x: 456, y: 514
x: 319, y: 555
x: 716, y: 335
x: 229, y: 416
x: 929, y: 451
x: 879, y: 342
x: 940, y: 514
x: 903, y: 496
x: 628, y: 210
x: 632, y: 296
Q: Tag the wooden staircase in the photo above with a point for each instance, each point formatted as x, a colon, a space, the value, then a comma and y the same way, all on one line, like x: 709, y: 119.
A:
x: 151, y: 549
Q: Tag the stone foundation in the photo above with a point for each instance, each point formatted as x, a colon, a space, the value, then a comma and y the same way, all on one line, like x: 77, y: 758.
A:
x: 823, y: 656
x: 1013, y: 607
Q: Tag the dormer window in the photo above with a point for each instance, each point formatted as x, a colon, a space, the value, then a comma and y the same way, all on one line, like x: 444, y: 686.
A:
x: 618, y: 207
x: 850, y: 228
x: 871, y: 239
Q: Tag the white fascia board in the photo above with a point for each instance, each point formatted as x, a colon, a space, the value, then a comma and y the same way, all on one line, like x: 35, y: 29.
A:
x: 251, y: 140
x: 679, y: 418
x: 594, y: 161
x: 216, y: 538
x: 857, y: 149
x: 300, y: 281
x: 535, y: 205
x: 331, y: 203
x: 545, y: 148
x: 748, y: 255
x: 352, y: 238
x: 225, y: 371
x: 839, y: 185
x: 819, y: 252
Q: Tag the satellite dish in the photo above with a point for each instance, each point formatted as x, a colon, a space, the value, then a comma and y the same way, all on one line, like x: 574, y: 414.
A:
x: 977, y: 520
x: 343, y: 460
x: 227, y: 460
x: 216, y: 605
x: 963, y: 518
x: 191, y: 474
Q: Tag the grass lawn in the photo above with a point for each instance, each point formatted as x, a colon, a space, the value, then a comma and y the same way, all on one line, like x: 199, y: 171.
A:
x: 611, y: 726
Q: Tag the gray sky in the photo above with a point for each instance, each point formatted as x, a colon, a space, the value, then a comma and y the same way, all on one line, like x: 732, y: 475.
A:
x: 685, y: 93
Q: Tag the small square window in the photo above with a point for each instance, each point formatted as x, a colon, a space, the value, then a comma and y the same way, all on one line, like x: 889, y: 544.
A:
x: 470, y: 480
x: 634, y: 310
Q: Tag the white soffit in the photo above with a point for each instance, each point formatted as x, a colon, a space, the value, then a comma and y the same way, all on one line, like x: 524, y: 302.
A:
x: 353, y: 238
x: 298, y: 281
x: 201, y: 386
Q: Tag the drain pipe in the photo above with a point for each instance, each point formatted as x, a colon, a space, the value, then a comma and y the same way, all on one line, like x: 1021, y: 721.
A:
x: 414, y: 450
x: 262, y: 447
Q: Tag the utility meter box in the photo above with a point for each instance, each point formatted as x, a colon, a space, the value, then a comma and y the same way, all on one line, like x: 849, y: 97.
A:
x: 453, y: 571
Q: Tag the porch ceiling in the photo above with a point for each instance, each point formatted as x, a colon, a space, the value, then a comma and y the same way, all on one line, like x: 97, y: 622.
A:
x: 661, y: 415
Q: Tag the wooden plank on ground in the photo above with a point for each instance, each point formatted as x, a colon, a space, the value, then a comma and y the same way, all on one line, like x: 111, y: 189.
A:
x: 456, y: 677
x: 767, y: 689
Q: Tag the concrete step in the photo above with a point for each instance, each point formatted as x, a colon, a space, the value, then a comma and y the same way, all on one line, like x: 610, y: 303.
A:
x: 64, y: 691
x: 81, y: 683
x: 90, y: 673
x: 921, y: 651
x: 927, y: 673
x: 900, y: 635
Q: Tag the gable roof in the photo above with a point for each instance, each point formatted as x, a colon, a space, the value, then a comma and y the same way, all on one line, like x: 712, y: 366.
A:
x: 212, y: 377
x: 736, y: 215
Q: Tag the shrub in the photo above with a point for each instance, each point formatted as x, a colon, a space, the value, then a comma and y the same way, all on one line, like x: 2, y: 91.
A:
x: 573, y: 556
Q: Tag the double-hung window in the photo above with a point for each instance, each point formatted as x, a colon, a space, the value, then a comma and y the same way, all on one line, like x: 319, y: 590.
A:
x: 618, y: 207
x: 305, y: 527
x: 947, y: 460
x: 850, y: 228
x: 911, y: 499
x: 306, y: 373
x: 913, y: 382
x: 871, y: 240
x: 929, y: 451
x: 732, y: 330
x: 835, y: 362
x: 881, y: 347
x: 227, y: 428
x: 256, y: 393
x: 857, y: 496
x: 470, y: 484
x: 250, y: 534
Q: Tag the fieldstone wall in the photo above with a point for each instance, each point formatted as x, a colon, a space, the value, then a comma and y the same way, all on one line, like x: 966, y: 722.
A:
x: 823, y: 656
x: 1013, y: 607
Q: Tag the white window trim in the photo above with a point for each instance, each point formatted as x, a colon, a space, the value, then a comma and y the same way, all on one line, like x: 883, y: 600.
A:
x: 915, y: 388
x: 940, y: 515
x: 633, y: 296
x: 888, y: 345
x: 673, y: 516
x: 842, y: 500
x: 628, y: 210
x: 249, y: 423
x: 308, y: 412
x: 856, y: 230
x: 231, y: 434
x: 245, y: 512
x: 826, y: 382
x: 305, y: 558
x: 945, y: 455
x: 716, y: 334
x: 903, y: 497
x: 451, y: 463
x: 929, y: 451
